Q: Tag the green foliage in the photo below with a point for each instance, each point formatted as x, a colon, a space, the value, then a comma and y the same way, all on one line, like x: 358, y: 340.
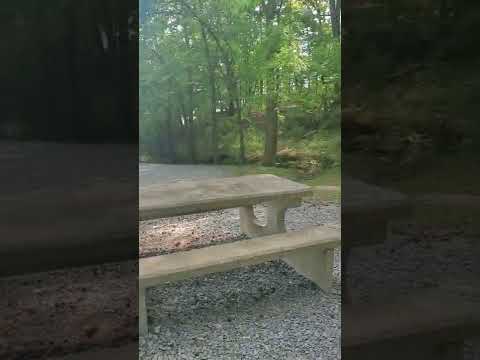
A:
x: 293, y: 53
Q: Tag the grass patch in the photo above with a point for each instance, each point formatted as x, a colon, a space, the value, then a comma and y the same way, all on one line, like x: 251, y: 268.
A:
x: 329, y: 177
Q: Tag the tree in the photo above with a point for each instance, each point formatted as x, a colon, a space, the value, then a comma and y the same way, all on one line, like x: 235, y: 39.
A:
x: 235, y: 67
x: 335, y: 16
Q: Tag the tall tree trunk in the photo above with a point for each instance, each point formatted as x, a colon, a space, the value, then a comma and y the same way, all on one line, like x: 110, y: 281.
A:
x: 213, y: 97
x: 335, y: 16
x: 233, y: 91
x: 271, y: 117
x: 190, y: 122
x: 170, y: 136
x: 240, y: 130
x: 271, y: 122
x: 172, y: 156
x: 271, y: 130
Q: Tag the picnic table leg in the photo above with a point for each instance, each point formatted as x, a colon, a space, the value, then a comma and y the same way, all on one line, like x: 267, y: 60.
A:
x: 142, y: 312
x: 275, y: 218
x: 315, y: 264
x: 248, y: 224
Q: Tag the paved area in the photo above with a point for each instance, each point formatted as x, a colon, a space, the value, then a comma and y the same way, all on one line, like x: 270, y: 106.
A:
x: 161, y: 173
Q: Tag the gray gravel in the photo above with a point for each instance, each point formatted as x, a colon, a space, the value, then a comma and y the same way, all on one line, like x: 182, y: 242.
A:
x: 198, y: 230
x: 270, y: 312
x: 258, y: 312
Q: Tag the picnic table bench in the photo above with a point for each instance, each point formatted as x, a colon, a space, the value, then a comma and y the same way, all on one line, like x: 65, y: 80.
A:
x: 308, y: 251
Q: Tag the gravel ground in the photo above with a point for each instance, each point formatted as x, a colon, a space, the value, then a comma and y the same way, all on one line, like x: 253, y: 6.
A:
x: 265, y: 311
x: 259, y: 312
x: 268, y: 311
x: 179, y: 233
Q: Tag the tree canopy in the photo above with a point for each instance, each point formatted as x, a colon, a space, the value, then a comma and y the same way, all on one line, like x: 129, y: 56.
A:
x: 236, y: 79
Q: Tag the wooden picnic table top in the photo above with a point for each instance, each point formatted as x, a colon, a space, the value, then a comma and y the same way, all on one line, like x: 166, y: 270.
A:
x: 188, y: 196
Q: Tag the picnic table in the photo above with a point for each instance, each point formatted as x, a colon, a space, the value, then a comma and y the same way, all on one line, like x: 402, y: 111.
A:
x: 309, y: 251
x: 189, y: 196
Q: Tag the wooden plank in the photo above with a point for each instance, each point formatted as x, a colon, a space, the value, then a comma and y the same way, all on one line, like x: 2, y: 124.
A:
x: 435, y: 313
x: 186, y: 197
x: 182, y: 265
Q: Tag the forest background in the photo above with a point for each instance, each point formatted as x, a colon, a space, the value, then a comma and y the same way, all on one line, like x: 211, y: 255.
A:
x: 250, y: 83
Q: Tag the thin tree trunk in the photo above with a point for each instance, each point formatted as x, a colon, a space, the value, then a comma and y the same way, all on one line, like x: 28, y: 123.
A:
x: 170, y: 142
x: 213, y: 97
x: 235, y: 105
x: 271, y: 129
x: 190, y: 122
x: 170, y: 136
x: 240, y: 128
x: 271, y: 118
x: 335, y: 17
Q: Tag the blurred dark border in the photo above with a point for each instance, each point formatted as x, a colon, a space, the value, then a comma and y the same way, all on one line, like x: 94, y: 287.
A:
x: 410, y: 176
x: 69, y: 178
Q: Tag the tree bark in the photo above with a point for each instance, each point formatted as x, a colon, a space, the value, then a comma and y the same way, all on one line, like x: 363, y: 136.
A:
x: 271, y: 117
x: 190, y: 122
x: 271, y: 130
x: 240, y: 130
x: 335, y: 17
x: 232, y: 87
x: 213, y: 97
x: 170, y: 136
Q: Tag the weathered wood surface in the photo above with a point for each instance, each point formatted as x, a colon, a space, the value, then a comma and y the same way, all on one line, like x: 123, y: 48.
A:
x: 217, y: 258
x: 186, y: 197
